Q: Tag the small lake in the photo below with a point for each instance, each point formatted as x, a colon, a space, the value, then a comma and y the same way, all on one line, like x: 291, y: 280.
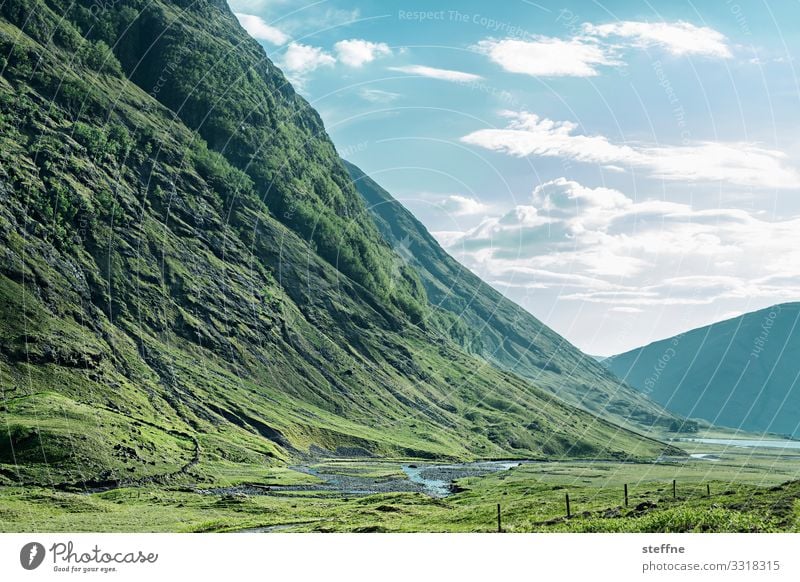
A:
x: 761, y: 443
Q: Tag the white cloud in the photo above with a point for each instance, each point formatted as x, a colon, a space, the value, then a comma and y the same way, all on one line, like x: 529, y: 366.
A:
x: 260, y: 30
x: 434, y: 73
x: 740, y: 163
x: 600, y: 46
x: 463, y: 205
x: 561, y: 197
x: 677, y: 38
x: 548, y: 57
x: 356, y: 53
x: 302, y: 58
x: 378, y: 95
x: 596, y: 245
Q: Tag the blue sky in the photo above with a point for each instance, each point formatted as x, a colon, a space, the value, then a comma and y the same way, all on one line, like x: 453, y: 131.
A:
x: 623, y: 170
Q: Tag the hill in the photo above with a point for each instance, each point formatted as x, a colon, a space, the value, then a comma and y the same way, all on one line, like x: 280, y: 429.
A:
x: 487, y: 324
x: 191, y: 284
x: 741, y: 373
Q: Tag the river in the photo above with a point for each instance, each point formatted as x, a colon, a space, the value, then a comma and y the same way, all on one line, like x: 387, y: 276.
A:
x: 749, y: 443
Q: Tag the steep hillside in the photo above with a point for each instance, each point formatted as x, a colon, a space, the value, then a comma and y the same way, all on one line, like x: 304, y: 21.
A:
x: 741, y: 373
x: 191, y: 283
x: 497, y: 329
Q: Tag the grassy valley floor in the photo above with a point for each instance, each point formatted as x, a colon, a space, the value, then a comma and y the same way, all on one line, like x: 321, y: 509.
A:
x: 751, y: 490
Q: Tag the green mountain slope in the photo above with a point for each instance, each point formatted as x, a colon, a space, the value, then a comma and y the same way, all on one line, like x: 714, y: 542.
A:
x: 497, y: 329
x: 190, y: 282
x: 741, y: 373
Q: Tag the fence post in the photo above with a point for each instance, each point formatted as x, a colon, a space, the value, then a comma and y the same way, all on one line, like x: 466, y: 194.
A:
x: 708, y: 490
x: 499, y: 526
x: 569, y: 514
x: 674, y: 490
x: 626, y: 495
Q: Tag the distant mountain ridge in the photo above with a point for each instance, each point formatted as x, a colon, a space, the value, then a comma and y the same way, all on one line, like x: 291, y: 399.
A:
x: 743, y: 372
x: 489, y: 325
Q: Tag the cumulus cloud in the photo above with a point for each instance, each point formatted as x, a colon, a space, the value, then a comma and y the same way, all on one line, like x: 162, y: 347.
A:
x: 740, y: 163
x: 597, y: 245
x: 302, y: 58
x: 356, y: 53
x: 677, y: 38
x: 463, y: 205
x: 434, y: 73
x: 260, y: 30
x: 548, y: 57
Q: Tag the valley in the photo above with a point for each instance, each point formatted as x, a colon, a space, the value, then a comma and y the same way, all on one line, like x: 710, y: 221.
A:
x: 210, y: 322
x: 751, y: 489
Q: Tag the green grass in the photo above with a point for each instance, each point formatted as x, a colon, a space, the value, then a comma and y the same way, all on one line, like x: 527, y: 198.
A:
x: 749, y: 493
x: 167, y: 324
x: 373, y: 469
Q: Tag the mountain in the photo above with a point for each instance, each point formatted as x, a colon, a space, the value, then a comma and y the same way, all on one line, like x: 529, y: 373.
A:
x: 487, y: 324
x: 191, y: 283
x: 741, y: 373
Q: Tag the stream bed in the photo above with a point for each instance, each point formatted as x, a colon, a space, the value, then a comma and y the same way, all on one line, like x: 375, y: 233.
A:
x: 434, y: 480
